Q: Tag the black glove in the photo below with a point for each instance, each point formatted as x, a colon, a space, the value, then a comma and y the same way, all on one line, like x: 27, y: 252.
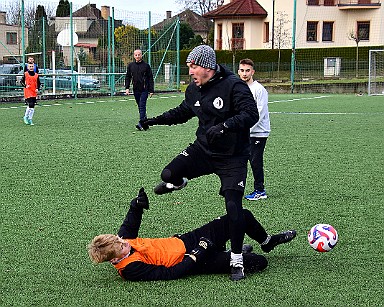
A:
x: 216, y: 132
x: 201, y: 250
x: 141, y: 201
x: 145, y: 123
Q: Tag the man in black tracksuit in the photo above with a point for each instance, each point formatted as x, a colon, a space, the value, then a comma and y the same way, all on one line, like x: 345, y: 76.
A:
x: 226, y: 110
x: 140, y: 74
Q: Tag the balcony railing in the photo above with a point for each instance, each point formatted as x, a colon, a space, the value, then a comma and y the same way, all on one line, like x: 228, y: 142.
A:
x: 346, y: 3
x: 237, y: 43
x: 355, y: 4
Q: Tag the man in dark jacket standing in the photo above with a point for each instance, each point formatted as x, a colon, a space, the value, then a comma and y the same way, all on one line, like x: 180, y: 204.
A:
x: 140, y: 74
x: 226, y: 110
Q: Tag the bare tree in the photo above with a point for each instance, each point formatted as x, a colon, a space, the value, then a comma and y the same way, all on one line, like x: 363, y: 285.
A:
x: 281, y: 35
x: 200, y: 6
x: 13, y: 10
x: 356, y: 36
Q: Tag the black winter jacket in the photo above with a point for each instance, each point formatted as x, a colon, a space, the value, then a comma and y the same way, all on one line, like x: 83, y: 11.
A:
x: 140, y: 74
x: 223, y: 99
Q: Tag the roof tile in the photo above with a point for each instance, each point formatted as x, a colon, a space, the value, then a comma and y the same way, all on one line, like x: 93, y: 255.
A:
x: 238, y: 8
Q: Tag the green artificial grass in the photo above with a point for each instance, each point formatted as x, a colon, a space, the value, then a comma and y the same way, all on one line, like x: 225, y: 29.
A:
x: 72, y: 175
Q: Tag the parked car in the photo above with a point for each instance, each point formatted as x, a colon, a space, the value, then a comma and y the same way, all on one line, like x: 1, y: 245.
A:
x: 63, y: 80
x: 8, y: 76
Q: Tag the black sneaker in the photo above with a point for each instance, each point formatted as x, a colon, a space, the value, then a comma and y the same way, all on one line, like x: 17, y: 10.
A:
x: 280, y: 238
x: 166, y: 187
x: 139, y: 127
x: 237, y: 273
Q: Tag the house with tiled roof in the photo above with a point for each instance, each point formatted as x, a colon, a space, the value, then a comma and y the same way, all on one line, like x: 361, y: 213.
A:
x: 251, y: 24
x: 89, y: 23
x: 237, y: 24
x: 200, y: 25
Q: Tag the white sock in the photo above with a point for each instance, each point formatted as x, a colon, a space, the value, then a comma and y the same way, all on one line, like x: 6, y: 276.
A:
x: 31, y: 111
x: 26, y: 112
x: 236, y: 260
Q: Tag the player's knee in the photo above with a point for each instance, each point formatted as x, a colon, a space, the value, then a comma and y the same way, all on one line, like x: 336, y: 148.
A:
x: 254, y: 263
x: 263, y: 263
x: 166, y: 175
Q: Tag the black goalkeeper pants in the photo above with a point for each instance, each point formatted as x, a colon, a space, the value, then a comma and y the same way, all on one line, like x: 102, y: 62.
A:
x: 218, y: 232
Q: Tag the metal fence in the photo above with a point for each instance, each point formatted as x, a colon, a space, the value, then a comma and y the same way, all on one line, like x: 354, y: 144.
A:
x: 91, y: 56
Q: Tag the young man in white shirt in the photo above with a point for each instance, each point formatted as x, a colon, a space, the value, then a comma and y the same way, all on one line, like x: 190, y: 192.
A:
x: 260, y: 131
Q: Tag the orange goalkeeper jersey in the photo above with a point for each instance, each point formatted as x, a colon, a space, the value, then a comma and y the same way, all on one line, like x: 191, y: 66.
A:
x: 160, y: 251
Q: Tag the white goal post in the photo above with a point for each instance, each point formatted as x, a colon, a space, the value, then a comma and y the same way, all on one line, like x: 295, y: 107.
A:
x: 376, y: 72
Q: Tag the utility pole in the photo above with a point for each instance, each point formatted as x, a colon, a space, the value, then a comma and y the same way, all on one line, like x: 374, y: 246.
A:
x: 293, y: 47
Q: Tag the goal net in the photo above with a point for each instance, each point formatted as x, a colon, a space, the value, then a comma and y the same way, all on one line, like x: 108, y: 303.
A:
x: 376, y: 72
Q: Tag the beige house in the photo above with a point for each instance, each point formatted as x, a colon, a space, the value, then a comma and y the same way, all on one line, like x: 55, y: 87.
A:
x: 248, y: 24
x: 10, y: 38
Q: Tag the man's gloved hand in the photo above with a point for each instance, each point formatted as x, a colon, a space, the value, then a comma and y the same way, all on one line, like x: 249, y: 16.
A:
x: 148, y: 122
x: 201, y: 250
x: 141, y: 201
x: 216, y: 132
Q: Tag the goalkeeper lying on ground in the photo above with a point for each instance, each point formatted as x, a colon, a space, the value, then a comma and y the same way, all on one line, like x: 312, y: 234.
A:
x: 200, y: 251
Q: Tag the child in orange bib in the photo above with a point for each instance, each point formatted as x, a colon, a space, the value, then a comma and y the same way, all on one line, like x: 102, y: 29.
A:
x: 31, y: 83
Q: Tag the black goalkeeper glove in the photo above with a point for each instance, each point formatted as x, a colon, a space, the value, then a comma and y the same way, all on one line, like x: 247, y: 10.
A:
x: 198, y: 253
x: 141, y: 201
x: 216, y: 132
x: 145, y: 123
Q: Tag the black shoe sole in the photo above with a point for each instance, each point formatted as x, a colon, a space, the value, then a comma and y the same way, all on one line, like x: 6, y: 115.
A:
x: 161, y: 189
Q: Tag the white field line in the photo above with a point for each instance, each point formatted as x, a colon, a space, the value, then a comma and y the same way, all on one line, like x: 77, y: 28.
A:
x: 175, y: 96
x: 299, y: 99
x: 39, y: 102
x: 316, y: 113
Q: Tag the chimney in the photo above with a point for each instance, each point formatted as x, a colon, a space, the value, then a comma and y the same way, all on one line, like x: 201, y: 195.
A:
x: 3, y: 17
x: 105, y: 12
x: 168, y: 14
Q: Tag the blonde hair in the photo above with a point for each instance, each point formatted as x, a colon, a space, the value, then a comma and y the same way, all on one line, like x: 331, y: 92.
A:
x: 104, y: 248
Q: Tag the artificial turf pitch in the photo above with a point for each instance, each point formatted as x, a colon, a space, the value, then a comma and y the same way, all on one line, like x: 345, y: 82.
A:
x: 72, y: 175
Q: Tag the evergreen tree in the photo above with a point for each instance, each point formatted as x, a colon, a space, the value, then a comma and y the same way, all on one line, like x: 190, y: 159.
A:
x: 63, y: 9
x: 36, y: 37
x: 186, y: 34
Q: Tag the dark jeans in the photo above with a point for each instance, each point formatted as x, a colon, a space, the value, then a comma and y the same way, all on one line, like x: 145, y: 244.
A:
x: 256, y: 161
x: 141, y: 101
